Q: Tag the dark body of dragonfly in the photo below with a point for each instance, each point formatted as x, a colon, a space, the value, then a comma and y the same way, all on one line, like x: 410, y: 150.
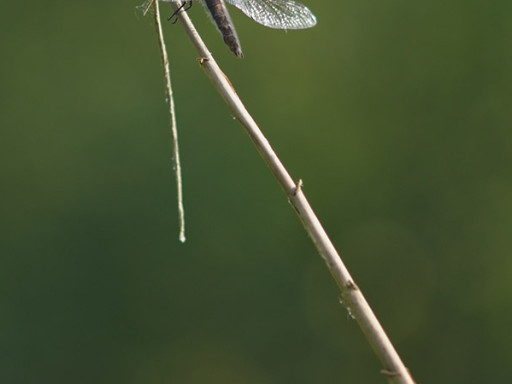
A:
x: 277, y: 14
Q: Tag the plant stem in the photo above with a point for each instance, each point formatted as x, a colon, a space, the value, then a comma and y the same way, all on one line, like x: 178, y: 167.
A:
x: 351, y: 295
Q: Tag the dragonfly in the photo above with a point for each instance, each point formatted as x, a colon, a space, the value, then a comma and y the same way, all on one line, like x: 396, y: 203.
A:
x: 277, y: 14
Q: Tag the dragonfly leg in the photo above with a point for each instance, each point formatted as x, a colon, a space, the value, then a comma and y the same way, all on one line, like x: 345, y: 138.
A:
x: 185, y: 7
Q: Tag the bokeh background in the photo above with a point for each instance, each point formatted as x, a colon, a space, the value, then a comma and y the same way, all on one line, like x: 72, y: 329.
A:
x: 396, y: 114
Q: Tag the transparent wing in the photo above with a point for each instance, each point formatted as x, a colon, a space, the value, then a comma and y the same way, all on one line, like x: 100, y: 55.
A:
x: 278, y: 14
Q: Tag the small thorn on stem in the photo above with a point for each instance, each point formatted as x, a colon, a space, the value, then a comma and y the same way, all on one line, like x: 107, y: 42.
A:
x: 351, y: 285
x: 202, y: 60
x: 298, y: 187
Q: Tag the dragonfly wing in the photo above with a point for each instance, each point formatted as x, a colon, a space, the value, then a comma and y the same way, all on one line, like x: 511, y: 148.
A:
x: 278, y: 14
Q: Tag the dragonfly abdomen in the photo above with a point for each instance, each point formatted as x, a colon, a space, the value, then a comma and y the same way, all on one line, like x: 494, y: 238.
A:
x: 226, y: 27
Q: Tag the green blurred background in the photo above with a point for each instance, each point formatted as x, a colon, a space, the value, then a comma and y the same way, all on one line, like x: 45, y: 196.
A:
x: 397, y: 116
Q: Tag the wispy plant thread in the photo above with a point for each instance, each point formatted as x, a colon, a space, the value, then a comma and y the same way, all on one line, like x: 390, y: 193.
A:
x: 172, y: 116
